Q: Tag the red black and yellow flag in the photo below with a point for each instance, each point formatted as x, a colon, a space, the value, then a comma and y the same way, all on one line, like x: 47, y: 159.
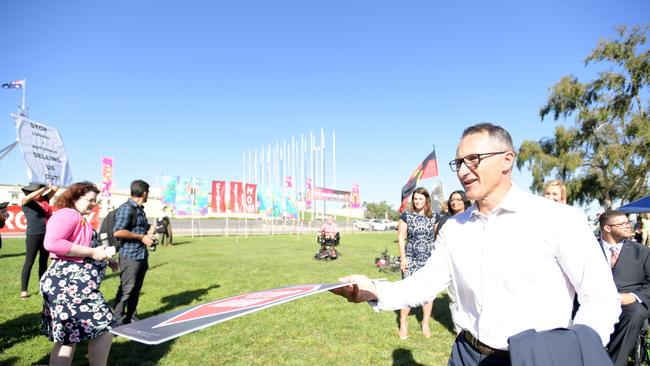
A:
x: 428, y: 168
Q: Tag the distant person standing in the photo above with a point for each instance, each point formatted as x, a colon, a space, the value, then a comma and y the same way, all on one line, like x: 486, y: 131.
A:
x: 415, y: 239
x: 136, y: 236
x: 555, y: 190
x: 457, y: 203
x: 164, y: 225
x: 37, y: 210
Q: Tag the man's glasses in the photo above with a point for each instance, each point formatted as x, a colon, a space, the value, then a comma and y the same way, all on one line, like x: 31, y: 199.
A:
x: 472, y: 160
x: 625, y: 223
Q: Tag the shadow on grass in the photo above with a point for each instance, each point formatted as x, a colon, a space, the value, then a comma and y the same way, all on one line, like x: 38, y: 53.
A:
x: 10, y: 361
x: 115, y: 274
x: 404, y: 357
x: 179, y: 243
x: 123, y: 353
x: 19, y: 330
x: 439, y: 312
x: 12, y: 255
x: 180, y: 299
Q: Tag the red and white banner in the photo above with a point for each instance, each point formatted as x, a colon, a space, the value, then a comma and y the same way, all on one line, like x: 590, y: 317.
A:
x: 218, y: 196
x: 163, y: 327
x: 250, y: 198
x: 236, y: 196
x: 16, y: 222
x: 107, y: 176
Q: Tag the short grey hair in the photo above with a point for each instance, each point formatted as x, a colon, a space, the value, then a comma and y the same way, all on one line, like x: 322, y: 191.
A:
x: 496, y: 133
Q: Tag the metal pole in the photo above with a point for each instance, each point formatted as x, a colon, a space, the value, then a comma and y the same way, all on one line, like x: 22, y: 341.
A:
x: 322, y: 165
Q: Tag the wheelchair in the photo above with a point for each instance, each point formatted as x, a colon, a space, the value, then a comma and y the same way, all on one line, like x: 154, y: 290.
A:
x: 640, y: 353
x: 328, y: 246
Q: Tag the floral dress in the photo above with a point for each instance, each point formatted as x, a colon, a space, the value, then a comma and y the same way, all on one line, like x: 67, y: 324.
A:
x: 419, y: 240
x: 73, y: 307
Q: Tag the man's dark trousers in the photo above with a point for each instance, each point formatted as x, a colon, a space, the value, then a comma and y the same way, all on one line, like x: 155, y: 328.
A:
x: 131, y: 279
x: 626, y: 332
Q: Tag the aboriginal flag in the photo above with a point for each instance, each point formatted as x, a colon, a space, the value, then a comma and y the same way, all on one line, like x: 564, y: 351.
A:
x: 428, y: 168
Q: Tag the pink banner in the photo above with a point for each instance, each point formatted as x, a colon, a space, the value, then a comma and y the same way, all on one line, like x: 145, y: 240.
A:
x: 355, y: 197
x: 308, y: 193
x: 236, y: 196
x: 250, y: 198
x: 107, y: 176
x: 218, y: 196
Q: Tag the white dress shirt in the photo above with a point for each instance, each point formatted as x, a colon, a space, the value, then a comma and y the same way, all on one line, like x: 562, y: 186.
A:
x: 517, y: 268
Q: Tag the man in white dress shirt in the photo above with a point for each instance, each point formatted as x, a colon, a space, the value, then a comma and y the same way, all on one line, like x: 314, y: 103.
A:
x: 515, y: 260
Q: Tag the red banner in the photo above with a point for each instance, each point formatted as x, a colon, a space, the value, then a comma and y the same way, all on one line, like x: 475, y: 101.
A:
x: 236, y: 196
x: 16, y: 222
x: 218, y: 196
x: 250, y: 198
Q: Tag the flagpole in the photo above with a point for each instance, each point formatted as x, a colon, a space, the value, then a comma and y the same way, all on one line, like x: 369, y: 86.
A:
x: 23, y: 108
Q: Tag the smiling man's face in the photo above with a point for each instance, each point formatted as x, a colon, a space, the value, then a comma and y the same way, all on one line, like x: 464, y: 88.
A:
x: 481, y: 180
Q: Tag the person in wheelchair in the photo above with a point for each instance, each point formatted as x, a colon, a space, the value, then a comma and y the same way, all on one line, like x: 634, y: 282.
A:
x: 630, y: 263
x: 329, y: 238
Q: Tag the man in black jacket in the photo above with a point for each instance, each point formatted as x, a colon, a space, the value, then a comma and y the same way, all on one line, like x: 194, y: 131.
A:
x: 630, y: 263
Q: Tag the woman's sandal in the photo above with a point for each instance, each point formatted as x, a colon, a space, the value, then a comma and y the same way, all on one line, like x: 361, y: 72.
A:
x: 24, y: 296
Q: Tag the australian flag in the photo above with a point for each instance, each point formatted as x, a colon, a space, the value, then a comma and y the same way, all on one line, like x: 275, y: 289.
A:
x: 18, y: 84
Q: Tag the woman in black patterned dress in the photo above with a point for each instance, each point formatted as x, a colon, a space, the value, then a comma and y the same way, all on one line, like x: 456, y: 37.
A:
x: 416, y: 229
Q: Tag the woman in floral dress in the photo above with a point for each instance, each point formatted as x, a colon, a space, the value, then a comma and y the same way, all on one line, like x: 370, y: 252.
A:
x: 73, y: 309
x: 415, y: 229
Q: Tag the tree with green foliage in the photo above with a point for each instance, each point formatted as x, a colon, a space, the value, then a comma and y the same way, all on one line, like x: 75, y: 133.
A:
x: 379, y: 210
x: 604, y: 157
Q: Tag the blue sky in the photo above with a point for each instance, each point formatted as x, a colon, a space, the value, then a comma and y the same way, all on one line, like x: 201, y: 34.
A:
x: 185, y: 88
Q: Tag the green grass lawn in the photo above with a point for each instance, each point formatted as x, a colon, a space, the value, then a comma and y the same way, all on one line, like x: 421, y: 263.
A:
x: 322, y: 329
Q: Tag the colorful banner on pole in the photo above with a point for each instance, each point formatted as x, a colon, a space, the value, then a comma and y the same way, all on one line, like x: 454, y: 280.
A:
x: 168, y: 190
x: 218, y: 196
x: 43, y: 152
x: 355, y: 197
x: 163, y: 327
x: 236, y: 193
x: 250, y: 198
x: 107, y: 176
x: 308, y: 193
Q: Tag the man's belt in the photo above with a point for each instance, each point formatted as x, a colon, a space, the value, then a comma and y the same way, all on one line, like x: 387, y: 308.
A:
x: 483, y: 348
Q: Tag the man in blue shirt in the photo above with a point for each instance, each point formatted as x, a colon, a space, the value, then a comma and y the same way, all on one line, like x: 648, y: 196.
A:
x: 136, y: 238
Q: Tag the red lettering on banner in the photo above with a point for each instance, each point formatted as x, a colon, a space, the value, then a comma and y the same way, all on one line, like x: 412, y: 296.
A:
x: 17, y: 223
x: 218, y: 196
x: 236, y: 193
x: 241, y: 302
x: 251, y: 198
